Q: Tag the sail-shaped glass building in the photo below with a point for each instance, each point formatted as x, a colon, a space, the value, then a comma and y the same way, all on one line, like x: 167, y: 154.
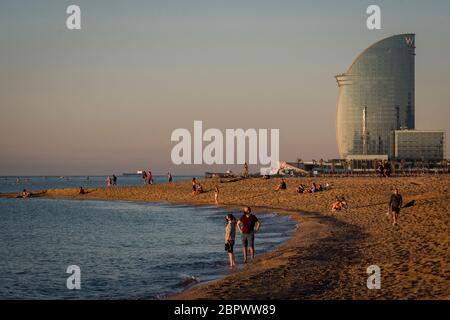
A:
x: 376, y: 96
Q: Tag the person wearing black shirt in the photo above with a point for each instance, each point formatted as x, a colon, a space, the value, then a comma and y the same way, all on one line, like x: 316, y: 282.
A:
x: 395, y: 204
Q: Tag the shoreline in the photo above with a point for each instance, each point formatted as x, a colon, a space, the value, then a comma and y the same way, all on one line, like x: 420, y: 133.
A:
x: 327, y: 256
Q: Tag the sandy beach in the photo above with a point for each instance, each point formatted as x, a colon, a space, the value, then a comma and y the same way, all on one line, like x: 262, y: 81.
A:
x: 328, y: 255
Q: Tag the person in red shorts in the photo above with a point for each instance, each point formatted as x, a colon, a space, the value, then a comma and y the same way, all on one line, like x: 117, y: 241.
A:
x: 248, y: 225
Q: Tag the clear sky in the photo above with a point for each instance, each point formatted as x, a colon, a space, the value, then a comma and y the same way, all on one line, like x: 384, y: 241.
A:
x: 106, y: 98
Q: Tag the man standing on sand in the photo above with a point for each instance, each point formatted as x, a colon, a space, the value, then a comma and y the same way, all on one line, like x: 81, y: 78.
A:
x: 248, y: 225
x: 395, y: 204
x: 245, y: 170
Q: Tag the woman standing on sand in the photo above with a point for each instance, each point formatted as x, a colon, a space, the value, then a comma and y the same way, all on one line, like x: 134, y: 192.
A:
x: 230, y: 236
x: 216, y: 195
x: 150, y: 177
x: 108, y: 181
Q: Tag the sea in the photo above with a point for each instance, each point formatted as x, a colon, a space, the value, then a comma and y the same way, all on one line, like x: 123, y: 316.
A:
x: 118, y: 249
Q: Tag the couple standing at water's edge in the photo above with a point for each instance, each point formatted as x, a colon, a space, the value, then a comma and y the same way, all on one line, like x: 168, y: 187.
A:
x: 247, y: 225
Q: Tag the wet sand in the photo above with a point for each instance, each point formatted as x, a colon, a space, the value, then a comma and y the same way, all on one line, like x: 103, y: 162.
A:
x: 328, y: 255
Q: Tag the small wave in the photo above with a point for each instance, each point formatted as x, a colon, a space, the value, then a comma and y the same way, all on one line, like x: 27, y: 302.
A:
x: 187, y: 281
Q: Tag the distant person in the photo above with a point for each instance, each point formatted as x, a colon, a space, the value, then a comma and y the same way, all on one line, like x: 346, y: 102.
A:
x: 380, y: 169
x: 150, y: 177
x: 339, y: 204
x: 395, y: 204
x: 194, y: 184
x: 144, y: 176
x: 114, y: 180
x: 216, y: 195
x: 246, y: 170
x: 82, y: 191
x: 198, y: 188
x: 248, y: 225
x: 25, y: 193
x: 281, y: 185
x: 344, y: 203
x: 108, y: 181
x: 169, y: 177
x: 314, y: 188
x: 336, y: 205
x: 301, y: 188
x: 230, y: 235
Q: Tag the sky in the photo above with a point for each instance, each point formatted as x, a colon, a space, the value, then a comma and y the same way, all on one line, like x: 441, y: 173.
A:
x: 105, y: 99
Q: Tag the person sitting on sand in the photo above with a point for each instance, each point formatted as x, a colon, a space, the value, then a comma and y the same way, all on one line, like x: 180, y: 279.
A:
x: 314, y: 188
x: 320, y: 188
x: 395, y: 204
x: 248, y: 225
x: 26, y: 194
x: 82, y: 191
x: 230, y: 235
x: 198, y: 188
x: 336, y: 205
x: 301, y: 188
x: 344, y: 203
x: 281, y: 185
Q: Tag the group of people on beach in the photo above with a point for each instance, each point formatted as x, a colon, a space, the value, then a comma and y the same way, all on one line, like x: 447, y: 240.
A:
x: 147, y: 178
x: 384, y: 169
x: 248, y: 225
x: 197, y: 188
x: 302, y: 188
x: 111, y: 180
x: 314, y: 188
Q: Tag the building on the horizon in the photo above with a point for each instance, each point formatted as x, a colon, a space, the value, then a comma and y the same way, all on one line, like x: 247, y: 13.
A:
x: 376, y: 106
x: 418, y: 144
x: 376, y: 96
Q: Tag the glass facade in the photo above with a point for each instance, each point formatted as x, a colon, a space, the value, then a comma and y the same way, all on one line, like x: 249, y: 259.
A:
x: 376, y: 96
x: 419, y: 145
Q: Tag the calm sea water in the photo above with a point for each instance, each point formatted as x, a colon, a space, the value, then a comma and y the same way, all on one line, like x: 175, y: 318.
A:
x: 125, y: 250
x: 17, y: 184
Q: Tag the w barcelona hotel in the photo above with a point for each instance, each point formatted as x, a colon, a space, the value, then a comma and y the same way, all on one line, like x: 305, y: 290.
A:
x: 376, y: 107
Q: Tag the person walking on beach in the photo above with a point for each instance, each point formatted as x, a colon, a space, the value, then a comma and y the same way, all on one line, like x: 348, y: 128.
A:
x: 230, y: 235
x: 150, y: 177
x: 114, y: 180
x: 248, y: 225
x: 144, y: 176
x: 395, y: 204
x: 194, y: 185
x: 169, y: 177
x: 216, y: 195
x: 108, y: 181
x: 245, y: 170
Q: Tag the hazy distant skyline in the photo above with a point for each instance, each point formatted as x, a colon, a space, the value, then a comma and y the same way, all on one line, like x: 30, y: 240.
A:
x: 106, y: 98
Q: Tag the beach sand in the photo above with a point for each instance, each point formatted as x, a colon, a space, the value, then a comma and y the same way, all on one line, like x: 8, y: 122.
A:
x: 327, y: 257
